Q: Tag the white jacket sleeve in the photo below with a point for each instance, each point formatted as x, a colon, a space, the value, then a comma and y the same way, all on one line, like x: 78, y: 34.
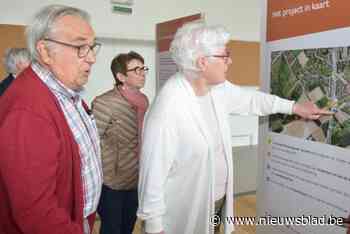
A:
x: 242, y: 101
x: 157, y: 155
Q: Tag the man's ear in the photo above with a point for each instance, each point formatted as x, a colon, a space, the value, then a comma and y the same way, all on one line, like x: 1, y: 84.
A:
x: 201, y: 63
x: 121, y: 77
x: 43, y: 52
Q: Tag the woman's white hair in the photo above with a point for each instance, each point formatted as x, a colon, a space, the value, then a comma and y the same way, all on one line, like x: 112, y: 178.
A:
x: 43, y: 24
x: 196, y: 39
x: 14, y: 56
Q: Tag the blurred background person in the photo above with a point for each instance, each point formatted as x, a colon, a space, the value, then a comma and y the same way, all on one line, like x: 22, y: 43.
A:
x: 119, y: 115
x: 15, y: 61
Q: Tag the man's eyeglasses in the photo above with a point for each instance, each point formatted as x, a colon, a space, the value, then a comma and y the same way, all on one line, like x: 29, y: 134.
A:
x: 139, y: 70
x: 82, y: 50
x: 225, y: 57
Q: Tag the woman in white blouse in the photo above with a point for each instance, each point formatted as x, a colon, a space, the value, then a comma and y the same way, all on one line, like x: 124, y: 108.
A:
x: 186, y: 171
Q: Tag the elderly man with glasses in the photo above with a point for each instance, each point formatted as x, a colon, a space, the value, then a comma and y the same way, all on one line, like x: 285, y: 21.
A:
x: 50, y: 165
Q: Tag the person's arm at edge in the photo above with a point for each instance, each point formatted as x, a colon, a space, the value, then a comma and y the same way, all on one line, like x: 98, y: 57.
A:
x: 260, y: 103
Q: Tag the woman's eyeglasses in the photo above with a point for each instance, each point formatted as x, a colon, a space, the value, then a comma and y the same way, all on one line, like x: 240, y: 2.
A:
x: 225, y: 56
x: 139, y: 70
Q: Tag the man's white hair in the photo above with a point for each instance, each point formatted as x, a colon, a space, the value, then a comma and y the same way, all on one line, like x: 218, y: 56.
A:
x: 196, y: 39
x: 43, y: 24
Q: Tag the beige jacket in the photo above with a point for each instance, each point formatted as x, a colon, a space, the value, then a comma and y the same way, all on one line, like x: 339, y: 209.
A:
x: 117, y: 126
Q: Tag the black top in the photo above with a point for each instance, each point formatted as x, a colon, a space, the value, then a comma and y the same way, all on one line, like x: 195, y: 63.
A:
x: 6, y: 83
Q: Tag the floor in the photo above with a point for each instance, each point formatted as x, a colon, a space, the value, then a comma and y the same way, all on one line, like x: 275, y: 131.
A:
x: 245, y: 206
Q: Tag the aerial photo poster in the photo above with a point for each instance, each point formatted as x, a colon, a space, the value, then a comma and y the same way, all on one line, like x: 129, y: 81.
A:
x: 304, y: 182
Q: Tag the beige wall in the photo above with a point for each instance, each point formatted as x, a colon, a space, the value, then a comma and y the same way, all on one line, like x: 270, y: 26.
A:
x: 245, y: 67
x: 10, y: 36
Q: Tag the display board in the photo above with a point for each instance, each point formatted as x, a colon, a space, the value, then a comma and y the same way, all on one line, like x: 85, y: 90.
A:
x: 304, y: 176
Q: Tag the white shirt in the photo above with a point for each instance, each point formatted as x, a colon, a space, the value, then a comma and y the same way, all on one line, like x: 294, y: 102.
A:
x: 209, y: 116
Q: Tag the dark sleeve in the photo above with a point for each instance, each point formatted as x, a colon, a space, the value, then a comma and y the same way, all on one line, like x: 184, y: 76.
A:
x: 5, y: 84
x: 30, y: 148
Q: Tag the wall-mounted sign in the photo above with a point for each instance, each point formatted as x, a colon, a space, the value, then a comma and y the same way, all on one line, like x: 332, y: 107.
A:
x: 123, y: 2
x: 122, y: 6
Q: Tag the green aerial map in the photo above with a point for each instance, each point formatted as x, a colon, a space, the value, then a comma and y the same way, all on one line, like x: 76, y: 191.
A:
x: 319, y: 75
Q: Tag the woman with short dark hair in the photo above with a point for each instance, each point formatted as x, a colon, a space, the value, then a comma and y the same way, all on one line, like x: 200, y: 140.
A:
x: 119, y: 115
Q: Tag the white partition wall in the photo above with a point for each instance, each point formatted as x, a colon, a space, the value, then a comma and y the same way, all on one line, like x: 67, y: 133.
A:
x: 130, y: 31
x: 240, y: 17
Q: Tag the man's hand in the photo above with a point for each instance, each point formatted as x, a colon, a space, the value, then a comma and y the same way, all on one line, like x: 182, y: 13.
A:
x: 309, y: 110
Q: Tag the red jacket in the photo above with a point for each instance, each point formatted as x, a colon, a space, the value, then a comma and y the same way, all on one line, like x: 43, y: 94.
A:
x: 40, y: 177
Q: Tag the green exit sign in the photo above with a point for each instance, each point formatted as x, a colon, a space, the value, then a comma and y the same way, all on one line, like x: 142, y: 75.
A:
x: 122, y: 9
